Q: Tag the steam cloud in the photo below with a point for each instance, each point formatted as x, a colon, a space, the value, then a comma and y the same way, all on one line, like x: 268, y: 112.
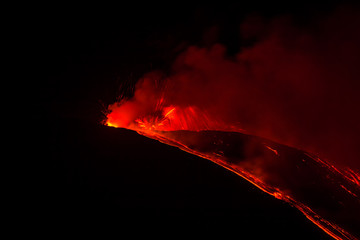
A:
x: 295, y: 85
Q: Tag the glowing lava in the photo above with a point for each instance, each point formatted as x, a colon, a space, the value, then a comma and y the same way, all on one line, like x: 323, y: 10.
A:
x: 324, y: 194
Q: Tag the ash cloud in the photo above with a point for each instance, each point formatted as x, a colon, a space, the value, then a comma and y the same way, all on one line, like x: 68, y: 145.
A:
x: 296, y: 85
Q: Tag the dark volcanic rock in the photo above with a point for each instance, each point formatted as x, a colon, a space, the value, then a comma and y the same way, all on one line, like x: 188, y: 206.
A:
x: 93, y: 175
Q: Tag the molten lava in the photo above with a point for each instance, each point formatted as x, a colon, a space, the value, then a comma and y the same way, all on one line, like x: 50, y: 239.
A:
x: 324, y: 194
x: 168, y: 119
x: 293, y: 88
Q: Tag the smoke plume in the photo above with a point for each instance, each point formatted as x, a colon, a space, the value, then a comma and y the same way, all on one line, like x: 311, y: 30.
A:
x: 296, y: 85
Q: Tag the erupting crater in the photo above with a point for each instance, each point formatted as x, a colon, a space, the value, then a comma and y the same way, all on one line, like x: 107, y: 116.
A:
x: 325, y: 195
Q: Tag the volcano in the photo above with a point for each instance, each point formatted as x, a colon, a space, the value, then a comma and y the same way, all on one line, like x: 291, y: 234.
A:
x: 267, y: 92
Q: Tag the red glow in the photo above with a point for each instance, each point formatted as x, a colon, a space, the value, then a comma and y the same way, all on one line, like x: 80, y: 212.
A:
x: 289, y: 87
x: 160, y: 126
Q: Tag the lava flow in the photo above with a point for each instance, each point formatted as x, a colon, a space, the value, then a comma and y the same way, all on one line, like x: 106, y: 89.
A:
x: 325, y: 195
x: 283, y: 112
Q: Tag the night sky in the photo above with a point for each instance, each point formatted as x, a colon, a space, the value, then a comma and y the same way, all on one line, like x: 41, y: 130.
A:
x: 86, y: 175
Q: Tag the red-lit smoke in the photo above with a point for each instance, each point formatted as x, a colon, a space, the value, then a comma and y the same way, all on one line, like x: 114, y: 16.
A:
x: 298, y: 86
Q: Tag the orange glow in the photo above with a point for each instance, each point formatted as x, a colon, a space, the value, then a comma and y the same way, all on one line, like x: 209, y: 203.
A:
x: 159, y: 126
x: 273, y: 150
x: 110, y: 124
x: 330, y: 228
x: 169, y: 112
x: 169, y: 119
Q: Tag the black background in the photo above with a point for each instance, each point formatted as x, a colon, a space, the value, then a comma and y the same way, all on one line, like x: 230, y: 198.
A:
x: 85, y: 175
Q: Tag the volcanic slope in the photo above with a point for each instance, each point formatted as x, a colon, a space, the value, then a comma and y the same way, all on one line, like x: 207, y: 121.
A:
x: 98, y: 175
